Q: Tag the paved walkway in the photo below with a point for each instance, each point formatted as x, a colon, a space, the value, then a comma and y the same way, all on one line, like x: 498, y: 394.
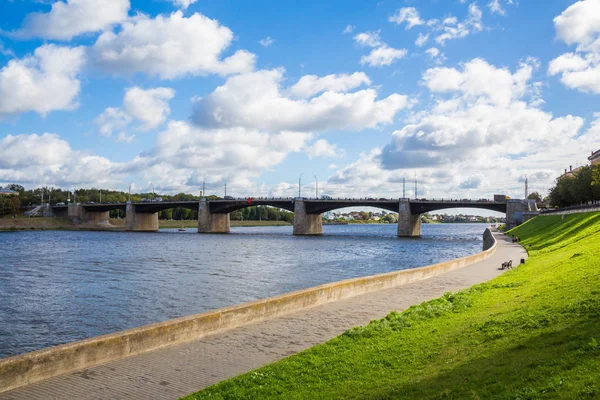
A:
x: 178, y: 370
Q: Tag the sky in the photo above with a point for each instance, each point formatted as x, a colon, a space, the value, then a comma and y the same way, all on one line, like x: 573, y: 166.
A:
x: 466, y: 97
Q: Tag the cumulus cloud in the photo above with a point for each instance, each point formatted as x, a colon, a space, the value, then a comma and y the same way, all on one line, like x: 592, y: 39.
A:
x: 49, y: 159
x: 310, y: 85
x: 482, y: 81
x: 112, y: 119
x: 370, y: 39
x: 410, y: 15
x: 43, y: 82
x: 422, y: 39
x: 183, y: 4
x: 257, y: 101
x: 169, y: 47
x: 579, y: 25
x: 485, y: 112
x: 472, y: 141
x: 381, y: 54
x: 71, y: 18
x: 322, y: 148
x: 452, y: 29
x: 149, y: 107
x: 181, y: 150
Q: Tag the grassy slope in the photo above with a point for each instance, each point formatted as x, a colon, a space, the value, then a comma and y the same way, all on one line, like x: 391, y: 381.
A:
x: 531, y: 333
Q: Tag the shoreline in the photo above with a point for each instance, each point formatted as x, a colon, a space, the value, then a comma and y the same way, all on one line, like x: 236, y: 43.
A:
x: 21, y: 224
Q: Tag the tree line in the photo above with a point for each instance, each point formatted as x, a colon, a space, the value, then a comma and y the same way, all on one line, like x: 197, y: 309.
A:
x: 581, y: 187
x: 10, y: 204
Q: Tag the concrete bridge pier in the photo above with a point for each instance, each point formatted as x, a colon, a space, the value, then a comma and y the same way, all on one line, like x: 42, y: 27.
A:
x: 519, y: 211
x: 409, y: 225
x: 306, y: 224
x: 77, y: 212
x: 212, y: 222
x: 140, y: 222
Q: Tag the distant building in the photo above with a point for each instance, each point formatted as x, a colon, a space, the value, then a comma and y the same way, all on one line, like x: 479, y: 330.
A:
x: 8, y: 192
x: 571, y: 172
x: 595, y: 157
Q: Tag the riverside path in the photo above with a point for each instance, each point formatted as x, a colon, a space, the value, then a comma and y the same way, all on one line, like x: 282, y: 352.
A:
x: 178, y: 370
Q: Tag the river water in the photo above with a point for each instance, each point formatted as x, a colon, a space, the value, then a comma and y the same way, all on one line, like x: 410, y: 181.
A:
x: 60, y: 286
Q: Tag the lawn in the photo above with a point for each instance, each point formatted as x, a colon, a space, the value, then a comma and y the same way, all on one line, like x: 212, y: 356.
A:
x: 532, y: 333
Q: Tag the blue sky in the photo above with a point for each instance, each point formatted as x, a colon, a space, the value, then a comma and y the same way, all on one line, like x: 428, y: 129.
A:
x: 157, y: 92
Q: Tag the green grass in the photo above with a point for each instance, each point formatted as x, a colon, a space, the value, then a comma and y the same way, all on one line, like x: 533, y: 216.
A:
x: 532, y: 333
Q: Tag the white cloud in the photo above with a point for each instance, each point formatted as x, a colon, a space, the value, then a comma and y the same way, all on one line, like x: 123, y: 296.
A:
x: 49, y: 159
x: 43, y: 82
x: 149, y: 107
x: 74, y: 17
x: 322, y: 148
x: 433, y: 52
x: 370, y: 39
x: 257, y: 101
x: 169, y: 47
x: 482, y: 81
x: 452, y: 29
x: 266, y: 42
x: 111, y: 120
x: 348, y: 29
x: 495, y: 7
x: 579, y: 24
x: 422, y: 39
x: 383, y: 55
x: 238, y: 154
x: 485, y: 115
x: 6, y: 52
x: 410, y: 15
x: 183, y: 4
x: 473, y: 141
x: 310, y: 85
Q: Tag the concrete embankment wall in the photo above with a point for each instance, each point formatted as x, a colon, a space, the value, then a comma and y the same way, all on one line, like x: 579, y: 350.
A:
x: 43, y: 364
x: 567, y: 212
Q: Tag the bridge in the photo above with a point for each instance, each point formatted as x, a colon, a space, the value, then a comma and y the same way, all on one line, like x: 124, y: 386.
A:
x: 213, y: 215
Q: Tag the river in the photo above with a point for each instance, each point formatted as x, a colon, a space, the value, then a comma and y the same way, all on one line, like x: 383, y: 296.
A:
x: 61, y: 286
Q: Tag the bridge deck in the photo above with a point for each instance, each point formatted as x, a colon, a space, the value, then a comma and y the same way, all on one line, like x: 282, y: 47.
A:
x: 313, y: 206
x: 178, y: 370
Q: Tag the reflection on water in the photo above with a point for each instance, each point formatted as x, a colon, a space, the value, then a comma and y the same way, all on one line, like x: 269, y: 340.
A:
x: 56, y: 287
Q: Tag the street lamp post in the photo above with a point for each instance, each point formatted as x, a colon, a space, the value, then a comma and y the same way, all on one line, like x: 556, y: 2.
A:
x: 300, y: 185
x: 130, y: 191
x: 225, y: 183
x: 316, y: 188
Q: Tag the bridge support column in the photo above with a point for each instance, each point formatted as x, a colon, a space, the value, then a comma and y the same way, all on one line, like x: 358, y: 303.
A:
x: 519, y: 211
x: 140, y: 222
x: 78, y: 213
x: 306, y: 224
x: 409, y: 225
x: 211, y: 223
